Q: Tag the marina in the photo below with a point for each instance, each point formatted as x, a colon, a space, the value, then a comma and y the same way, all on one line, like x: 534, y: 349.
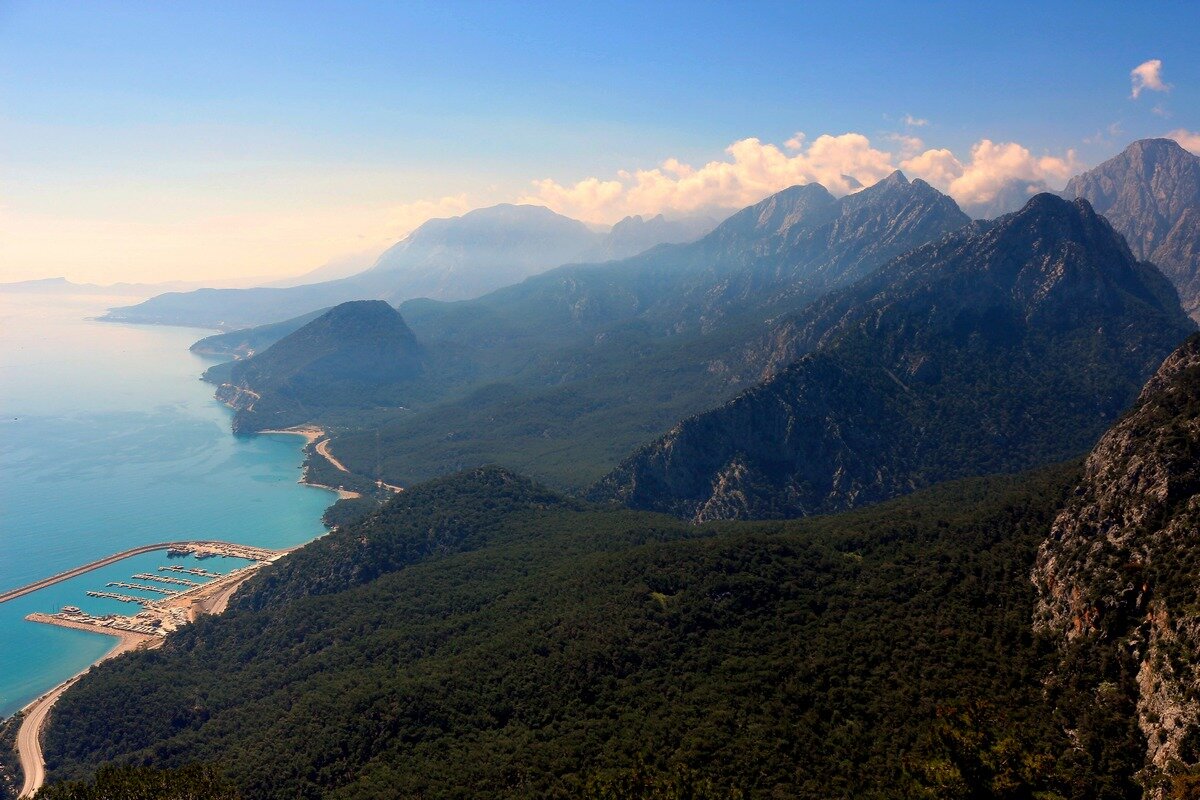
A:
x: 171, y: 608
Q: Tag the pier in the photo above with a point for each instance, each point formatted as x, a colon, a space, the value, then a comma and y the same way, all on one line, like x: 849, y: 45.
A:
x: 124, y: 598
x: 146, y: 576
x: 142, y: 588
x: 191, y: 571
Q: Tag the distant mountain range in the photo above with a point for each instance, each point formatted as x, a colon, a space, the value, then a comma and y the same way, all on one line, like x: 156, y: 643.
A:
x: 446, y: 259
x: 996, y: 348
x: 557, y: 371
x: 64, y: 286
x: 1150, y: 192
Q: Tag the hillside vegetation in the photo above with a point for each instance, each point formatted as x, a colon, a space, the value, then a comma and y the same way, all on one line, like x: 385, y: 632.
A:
x: 484, y: 637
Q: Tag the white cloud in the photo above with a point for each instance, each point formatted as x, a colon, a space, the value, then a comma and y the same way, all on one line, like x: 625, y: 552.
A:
x: 909, y: 145
x: 1188, y: 139
x: 752, y: 171
x: 939, y: 167
x: 915, y: 122
x: 1147, y: 76
x: 755, y: 169
x: 1113, y: 131
x: 993, y: 167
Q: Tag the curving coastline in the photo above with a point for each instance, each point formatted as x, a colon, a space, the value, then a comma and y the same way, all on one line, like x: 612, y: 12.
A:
x: 311, y: 434
x: 36, y: 714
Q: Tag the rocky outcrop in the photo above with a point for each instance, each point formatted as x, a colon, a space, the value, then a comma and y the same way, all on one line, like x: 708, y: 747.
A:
x: 1118, y: 572
x: 998, y: 347
x: 1151, y: 194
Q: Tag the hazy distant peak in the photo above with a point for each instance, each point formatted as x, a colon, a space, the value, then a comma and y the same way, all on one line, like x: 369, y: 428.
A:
x: 780, y: 211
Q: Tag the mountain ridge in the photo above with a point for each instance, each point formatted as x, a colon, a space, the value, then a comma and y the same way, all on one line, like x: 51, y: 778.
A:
x: 998, y: 310
x: 450, y: 258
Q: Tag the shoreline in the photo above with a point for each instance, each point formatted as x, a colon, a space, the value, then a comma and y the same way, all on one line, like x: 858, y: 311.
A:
x: 313, y: 434
x: 36, y: 713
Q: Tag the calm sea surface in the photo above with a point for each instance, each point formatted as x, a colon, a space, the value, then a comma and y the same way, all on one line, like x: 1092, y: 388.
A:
x: 108, y: 440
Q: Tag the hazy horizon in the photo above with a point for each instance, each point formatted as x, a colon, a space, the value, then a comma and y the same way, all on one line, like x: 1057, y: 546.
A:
x: 175, y: 144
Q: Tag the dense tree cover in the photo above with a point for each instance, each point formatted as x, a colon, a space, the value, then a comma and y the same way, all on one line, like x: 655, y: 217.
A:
x: 484, y: 637
x: 192, y: 782
x: 10, y: 764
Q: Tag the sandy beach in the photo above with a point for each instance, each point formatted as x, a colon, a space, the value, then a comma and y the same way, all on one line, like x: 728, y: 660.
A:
x: 312, y: 433
x: 29, y: 744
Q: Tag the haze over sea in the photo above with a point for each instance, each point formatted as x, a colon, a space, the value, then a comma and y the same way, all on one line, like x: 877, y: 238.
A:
x: 109, y: 441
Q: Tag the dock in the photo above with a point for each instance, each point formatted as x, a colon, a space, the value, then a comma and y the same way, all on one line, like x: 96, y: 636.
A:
x: 146, y: 576
x: 142, y: 587
x: 203, y: 573
x: 124, y: 598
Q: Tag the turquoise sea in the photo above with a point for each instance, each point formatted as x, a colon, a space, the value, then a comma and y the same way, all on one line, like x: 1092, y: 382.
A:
x: 109, y: 440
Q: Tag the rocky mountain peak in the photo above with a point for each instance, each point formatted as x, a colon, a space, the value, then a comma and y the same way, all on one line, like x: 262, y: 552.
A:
x: 777, y: 213
x: 1150, y: 192
x: 897, y: 178
x: 932, y: 365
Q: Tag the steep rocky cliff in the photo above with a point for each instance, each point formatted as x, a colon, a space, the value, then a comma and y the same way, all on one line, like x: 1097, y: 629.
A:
x: 1117, y: 578
x: 995, y: 348
x: 1151, y: 194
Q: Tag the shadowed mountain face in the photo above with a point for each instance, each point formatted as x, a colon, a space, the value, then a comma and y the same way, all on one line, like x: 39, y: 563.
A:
x: 1002, y: 346
x: 358, y: 354
x: 1151, y: 194
x: 448, y: 259
x: 586, y: 362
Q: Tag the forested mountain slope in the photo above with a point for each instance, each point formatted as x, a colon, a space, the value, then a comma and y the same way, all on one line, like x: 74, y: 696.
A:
x: 359, y: 354
x: 1004, y: 345
x: 481, y: 637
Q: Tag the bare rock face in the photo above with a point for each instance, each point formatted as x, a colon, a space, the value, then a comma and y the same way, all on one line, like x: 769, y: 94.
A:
x: 1151, y: 194
x: 1117, y: 577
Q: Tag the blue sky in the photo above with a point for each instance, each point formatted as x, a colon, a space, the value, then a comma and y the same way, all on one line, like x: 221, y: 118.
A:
x: 155, y: 141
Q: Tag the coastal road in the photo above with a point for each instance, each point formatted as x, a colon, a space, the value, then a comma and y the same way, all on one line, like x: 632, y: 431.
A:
x: 29, y: 735
x: 29, y: 738
x: 323, y: 449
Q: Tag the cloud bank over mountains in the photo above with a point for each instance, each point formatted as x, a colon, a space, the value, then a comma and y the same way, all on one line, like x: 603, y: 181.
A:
x: 843, y: 163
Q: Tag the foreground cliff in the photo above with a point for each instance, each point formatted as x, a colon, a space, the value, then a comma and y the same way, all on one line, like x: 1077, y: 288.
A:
x: 1117, y: 578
